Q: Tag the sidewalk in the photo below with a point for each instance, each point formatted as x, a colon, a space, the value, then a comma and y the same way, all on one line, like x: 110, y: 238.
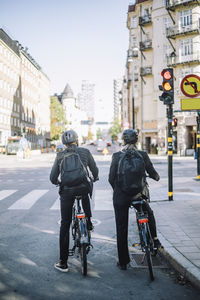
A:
x: 178, y: 224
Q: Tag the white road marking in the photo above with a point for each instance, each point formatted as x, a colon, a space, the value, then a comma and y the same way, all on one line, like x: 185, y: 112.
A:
x: 6, y: 193
x: 56, y: 205
x: 28, y: 200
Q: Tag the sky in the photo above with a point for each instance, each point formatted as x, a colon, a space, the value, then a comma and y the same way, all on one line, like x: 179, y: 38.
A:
x: 72, y: 40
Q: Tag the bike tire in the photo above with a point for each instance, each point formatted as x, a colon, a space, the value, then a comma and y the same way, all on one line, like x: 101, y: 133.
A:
x: 149, y: 262
x: 83, y: 253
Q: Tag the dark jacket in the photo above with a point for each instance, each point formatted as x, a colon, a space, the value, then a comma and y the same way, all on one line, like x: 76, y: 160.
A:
x: 114, y: 165
x: 85, y: 156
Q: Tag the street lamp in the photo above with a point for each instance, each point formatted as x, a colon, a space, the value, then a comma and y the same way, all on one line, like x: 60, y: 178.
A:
x: 131, y: 54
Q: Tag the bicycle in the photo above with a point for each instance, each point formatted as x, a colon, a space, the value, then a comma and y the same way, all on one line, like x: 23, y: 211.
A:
x: 146, y: 241
x: 80, y: 234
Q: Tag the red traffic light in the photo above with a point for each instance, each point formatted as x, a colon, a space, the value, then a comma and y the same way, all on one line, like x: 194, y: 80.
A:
x: 175, y: 122
x: 167, y: 75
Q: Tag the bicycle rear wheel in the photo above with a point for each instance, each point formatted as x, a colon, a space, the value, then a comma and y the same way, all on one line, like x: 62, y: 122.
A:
x: 84, y: 259
x: 149, y: 262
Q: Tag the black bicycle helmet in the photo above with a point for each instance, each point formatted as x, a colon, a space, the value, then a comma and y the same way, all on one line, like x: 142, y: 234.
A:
x: 130, y: 136
x: 69, y: 136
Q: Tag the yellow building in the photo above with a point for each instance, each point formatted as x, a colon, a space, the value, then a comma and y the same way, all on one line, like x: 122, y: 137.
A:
x: 161, y: 34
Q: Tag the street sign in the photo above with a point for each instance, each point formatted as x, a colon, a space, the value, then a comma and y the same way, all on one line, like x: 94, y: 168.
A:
x: 190, y: 104
x: 190, y: 85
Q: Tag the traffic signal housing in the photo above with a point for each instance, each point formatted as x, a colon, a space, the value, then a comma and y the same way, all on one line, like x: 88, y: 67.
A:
x: 175, y: 122
x: 167, y: 86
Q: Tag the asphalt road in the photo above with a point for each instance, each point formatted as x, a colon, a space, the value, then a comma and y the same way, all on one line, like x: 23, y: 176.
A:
x: 29, y: 228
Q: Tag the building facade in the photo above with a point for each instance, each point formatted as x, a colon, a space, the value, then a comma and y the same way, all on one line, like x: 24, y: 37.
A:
x: 162, y: 34
x: 117, y: 95
x: 86, y: 99
x: 76, y: 118
x: 24, y: 95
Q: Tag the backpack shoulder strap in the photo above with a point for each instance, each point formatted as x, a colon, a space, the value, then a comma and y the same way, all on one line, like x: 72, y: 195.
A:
x: 121, y: 157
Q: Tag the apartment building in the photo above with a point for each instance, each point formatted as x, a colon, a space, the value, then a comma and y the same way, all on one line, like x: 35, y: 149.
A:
x: 117, y: 90
x: 86, y: 98
x: 24, y: 95
x: 162, y: 34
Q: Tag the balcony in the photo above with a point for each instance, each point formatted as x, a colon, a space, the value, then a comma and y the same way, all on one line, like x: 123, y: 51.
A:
x: 172, y: 4
x: 145, y: 71
x: 144, y: 20
x: 183, y: 60
x: 174, y: 31
x: 145, y: 45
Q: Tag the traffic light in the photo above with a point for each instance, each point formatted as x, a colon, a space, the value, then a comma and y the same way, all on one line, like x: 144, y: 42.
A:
x: 167, y: 86
x: 175, y: 122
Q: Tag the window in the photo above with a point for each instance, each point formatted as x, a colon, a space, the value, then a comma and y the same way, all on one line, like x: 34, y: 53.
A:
x: 134, y: 42
x: 186, y: 47
x: 185, y: 18
x: 133, y: 22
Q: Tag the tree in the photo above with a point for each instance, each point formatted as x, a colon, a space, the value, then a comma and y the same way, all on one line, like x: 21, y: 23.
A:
x: 99, y: 134
x: 58, y: 120
x: 115, y: 129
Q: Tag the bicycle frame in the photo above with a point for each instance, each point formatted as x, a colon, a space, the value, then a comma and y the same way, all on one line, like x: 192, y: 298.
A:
x: 146, y: 240
x: 80, y: 234
x: 82, y: 223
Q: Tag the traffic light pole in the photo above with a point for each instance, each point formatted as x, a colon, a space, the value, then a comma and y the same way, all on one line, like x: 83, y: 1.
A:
x: 198, y: 145
x: 170, y: 152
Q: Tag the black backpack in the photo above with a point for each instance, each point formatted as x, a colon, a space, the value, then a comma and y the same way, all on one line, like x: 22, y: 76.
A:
x: 131, y: 172
x: 72, y: 170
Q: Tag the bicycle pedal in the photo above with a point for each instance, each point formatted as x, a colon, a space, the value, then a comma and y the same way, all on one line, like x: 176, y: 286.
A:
x: 71, y: 252
x: 135, y: 244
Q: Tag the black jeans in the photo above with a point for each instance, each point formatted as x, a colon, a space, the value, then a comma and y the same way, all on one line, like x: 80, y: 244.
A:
x: 66, y: 204
x: 121, y: 216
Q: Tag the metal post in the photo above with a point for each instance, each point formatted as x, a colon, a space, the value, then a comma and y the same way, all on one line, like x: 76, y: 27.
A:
x: 170, y: 152
x: 132, y: 92
x: 133, y: 108
x: 198, y: 145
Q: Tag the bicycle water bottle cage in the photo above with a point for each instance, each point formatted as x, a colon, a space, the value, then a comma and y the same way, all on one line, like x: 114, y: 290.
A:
x: 81, y: 216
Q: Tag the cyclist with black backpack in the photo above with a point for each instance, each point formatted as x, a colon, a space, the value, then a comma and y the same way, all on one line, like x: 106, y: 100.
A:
x: 127, y: 178
x: 72, y: 166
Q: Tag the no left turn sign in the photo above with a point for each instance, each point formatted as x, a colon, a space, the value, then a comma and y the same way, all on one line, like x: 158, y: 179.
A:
x: 190, y: 86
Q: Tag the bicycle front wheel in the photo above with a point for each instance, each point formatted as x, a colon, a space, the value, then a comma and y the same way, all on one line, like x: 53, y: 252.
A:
x: 84, y: 259
x: 149, y: 262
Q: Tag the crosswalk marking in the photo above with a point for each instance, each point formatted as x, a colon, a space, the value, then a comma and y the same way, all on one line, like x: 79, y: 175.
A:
x: 6, y: 193
x: 102, y: 199
x: 28, y: 200
x: 56, y: 204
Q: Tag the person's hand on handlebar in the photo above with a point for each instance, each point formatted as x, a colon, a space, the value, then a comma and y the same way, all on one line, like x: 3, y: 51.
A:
x: 96, y: 179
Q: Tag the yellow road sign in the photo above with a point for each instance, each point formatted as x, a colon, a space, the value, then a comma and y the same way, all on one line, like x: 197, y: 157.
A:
x: 190, y: 104
x: 190, y: 85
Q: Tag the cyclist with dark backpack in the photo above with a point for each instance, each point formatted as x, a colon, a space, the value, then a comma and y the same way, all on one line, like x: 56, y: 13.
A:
x: 127, y: 178
x: 70, y: 172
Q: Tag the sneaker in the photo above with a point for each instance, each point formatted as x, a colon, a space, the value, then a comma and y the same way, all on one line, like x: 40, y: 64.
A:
x: 63, y: 267
x: 157, y: 244
x: 121, y: 266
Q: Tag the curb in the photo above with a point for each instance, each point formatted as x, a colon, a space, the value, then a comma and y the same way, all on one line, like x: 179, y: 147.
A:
x: 180, y: 262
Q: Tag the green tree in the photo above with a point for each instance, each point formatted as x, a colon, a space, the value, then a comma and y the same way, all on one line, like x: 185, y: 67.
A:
x: 115, y: 129
x: 99, y: 134
x: 58, y: 120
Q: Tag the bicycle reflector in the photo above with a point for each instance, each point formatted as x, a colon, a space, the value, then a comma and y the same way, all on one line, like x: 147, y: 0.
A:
x: 144, y: 220
x: 80, y: 216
